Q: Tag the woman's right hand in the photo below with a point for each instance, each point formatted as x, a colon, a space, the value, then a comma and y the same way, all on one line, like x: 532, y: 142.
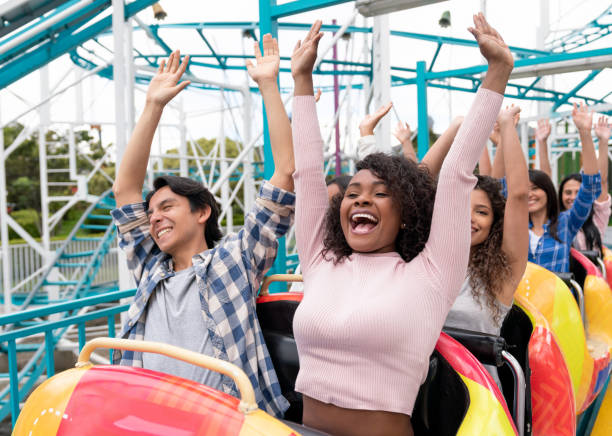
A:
x: 491, y: 44
x: 267, y: 66
x: 163, y: 86
x: 543, y: 130
x: 305, y: 52
x: 583, y: 118
x: 511, y: 115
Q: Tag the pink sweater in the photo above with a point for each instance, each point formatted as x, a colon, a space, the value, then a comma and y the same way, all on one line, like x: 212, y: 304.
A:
x: 367, y: 326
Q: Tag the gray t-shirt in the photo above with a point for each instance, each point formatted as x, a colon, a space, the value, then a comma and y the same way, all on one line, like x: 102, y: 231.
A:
x: 174, y: 316
x: 470, y: 313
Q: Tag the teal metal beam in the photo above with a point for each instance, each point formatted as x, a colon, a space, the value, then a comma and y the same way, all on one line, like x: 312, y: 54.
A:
x: 155, y: 34
x: 577, y: 88
x: 435, y: 56
x: 592, y: 31
x: 221, y: 61
x: 519, y: 51
x: 423, y: 125
x: 300, y: 6
x: 54, y: 48
x: 556, y: 57
x: 268, y: 23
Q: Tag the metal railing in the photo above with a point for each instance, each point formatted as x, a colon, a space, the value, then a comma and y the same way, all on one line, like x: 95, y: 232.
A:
x: 22, y: 380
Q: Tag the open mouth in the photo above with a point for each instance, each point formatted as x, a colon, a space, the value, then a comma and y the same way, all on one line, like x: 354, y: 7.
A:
x: 363, y: 223
x: 163, y: 231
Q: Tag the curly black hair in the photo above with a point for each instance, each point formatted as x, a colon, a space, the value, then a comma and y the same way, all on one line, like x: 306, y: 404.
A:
x: 410, y: 185
x: 488, y: 268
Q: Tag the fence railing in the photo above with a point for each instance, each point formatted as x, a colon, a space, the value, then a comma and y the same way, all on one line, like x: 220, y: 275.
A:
x: 26, y: 261
x: 23, y: 379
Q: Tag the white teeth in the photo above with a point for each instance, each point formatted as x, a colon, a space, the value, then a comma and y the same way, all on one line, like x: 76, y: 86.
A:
x: 162, y: 232
x: 364, y: 215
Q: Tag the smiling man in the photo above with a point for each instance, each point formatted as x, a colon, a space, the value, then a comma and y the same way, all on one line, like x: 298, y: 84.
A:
x: 195, y: 289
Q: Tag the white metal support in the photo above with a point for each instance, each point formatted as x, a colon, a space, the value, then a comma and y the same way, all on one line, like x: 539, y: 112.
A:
x: 225, y: 187
x: 249, y: 183
x: 183, y: 163
x: 130, y: 79
x: 381, y: 78
x: 4, y: 233
x: 119, y: 75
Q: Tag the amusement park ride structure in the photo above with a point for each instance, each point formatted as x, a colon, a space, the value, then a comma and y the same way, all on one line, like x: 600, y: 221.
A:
x: 98, y: 36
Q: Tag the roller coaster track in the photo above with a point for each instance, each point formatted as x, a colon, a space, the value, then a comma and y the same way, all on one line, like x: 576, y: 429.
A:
x: 84, y: 266
x: 76, y: 270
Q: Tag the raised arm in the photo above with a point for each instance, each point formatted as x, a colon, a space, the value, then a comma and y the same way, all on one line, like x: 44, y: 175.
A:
x: 265, y: 74
x: 583, y: 119
x: 602, y: 130
x: 447, y: 250
x: 311, y: 192
x: 541, y: 136
x: 133, y: 168
x: 434, y: 157
x: 590, y: 188
x: 404, y: 135
x: 497, y: 169
x: 484, y: 163
x: 366, y: 144
x: 515, y: 243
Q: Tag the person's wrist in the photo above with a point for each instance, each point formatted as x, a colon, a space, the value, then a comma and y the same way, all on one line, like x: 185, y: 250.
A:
x: 366, y: 131
x: 501, y: 67
x: 584, y: 131
x: 153, y: 105
x: 267, y: 84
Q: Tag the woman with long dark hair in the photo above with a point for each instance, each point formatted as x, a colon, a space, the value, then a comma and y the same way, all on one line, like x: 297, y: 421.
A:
x: 552, y: 231
x: 591, y: 234
x: 383, y: 264
x: 499, y: 241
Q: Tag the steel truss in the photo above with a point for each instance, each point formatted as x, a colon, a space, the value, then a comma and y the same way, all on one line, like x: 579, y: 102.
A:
x: 97, y: 36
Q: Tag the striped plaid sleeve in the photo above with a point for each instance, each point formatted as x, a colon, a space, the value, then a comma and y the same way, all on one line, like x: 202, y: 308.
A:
x: 504, y: 187
x: 270, y: 219
x: 590, y: 188
x: 134, y: 237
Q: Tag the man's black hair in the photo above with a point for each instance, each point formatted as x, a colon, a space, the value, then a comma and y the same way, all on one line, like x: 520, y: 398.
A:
x: 199, y: 197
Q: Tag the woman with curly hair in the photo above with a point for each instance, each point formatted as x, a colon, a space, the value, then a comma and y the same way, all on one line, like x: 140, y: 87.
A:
x: 383, y: 269
x: 499, y: 242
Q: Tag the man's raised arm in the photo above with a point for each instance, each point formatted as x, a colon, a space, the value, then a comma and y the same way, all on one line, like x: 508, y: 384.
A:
x: 133, y: 168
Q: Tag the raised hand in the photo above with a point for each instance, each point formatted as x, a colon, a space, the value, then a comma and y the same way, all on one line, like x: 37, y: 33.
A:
x: 509, y: 115
x: 583, y: 118
x: 495, y: 136
x: 543, y: 130
x: 369, y: 122
x: 402, y: 132
x: 163, y: 87
x: 305, y: 52
x: 602, y: 130
x: 267, y: 66
x: 491, y: 44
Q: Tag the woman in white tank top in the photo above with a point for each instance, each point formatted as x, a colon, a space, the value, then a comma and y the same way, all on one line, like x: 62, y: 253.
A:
x: 499, y: 240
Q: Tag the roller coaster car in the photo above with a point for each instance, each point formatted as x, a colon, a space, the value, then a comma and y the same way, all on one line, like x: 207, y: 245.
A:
x: 607, y: 260
x: 458, y: 396
x: 583, y: 353
x: 116, y: 400
x: 597, y: 315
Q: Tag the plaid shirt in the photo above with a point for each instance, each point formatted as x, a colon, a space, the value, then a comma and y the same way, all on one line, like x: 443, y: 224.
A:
x: 552, y: 254
x: 228, y: 278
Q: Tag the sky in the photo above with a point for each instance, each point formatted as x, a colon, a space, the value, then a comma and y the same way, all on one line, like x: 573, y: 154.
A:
x: 517, y: 22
